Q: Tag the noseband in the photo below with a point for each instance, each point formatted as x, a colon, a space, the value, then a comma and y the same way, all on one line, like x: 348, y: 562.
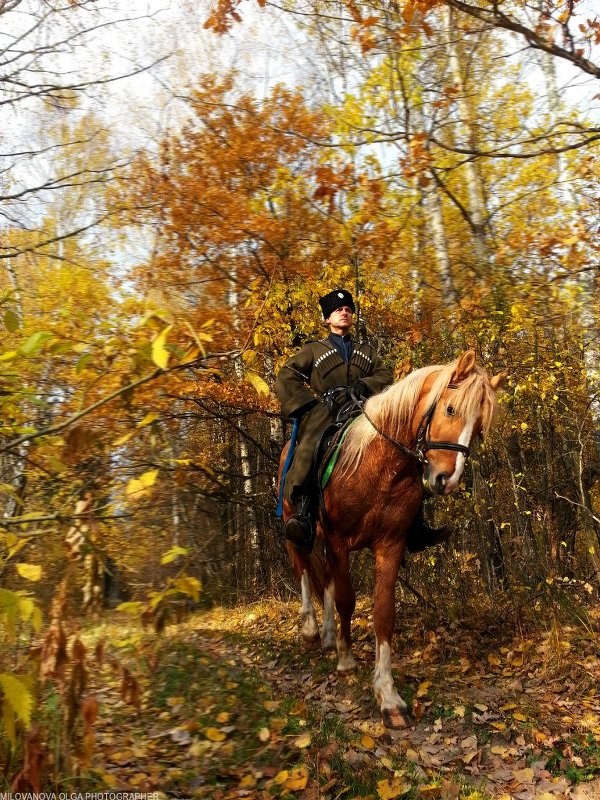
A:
x: 423, y: 444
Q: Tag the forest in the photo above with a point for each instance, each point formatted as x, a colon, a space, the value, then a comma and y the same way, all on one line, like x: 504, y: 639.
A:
x: 179, y: 184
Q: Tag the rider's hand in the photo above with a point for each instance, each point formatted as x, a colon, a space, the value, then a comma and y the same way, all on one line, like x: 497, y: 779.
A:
x: 361, y: 391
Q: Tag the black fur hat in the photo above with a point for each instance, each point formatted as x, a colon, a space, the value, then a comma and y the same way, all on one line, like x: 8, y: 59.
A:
x: 334, y: 300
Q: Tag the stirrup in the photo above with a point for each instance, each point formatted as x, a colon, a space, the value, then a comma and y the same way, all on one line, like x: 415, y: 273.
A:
x: 300, y: 532
x: 427, y: 537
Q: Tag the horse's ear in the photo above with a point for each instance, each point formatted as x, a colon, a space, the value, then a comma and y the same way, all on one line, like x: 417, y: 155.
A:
x: 464, y: 366
x: 499, y: 380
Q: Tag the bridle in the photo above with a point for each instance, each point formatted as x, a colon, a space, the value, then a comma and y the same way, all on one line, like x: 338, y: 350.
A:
x: 423, y: 443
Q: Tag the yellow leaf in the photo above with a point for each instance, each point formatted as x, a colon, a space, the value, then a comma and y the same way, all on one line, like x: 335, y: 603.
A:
x: 259, y: 384
x: 271, y: 705
x: 150, y: 417
x: 281, y: 777
x: 139, y: 486
x: 29, y: 611
x: 519, y: 717
x: 198, y: 749
x: 179, y: 700
x: 123, y: 439
x: 388, y: 789
x: 524, y: 775
x: 18, y: 696
x: 223, y: 717
x: 297, y: 780
x: 174, y: 553
x: 108, y: 779
x: 423, y: 687
x: 160, y: 354
x: 187, y: 584
x: 303, y: 741
x: 264, y: 734
x: 247, y: 782
x: 214, y: 734
x: 430, y: 790
x: 367, y: 742
x: 32, y: 572
x: 494, y: 660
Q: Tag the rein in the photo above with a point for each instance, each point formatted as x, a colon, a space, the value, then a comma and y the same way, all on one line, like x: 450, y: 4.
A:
x: 423, y: 444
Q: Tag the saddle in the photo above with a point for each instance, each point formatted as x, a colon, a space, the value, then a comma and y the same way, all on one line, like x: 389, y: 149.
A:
x: 329, y: 445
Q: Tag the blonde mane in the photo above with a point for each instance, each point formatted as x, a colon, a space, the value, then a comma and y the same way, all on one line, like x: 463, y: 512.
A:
x: 393, y: 409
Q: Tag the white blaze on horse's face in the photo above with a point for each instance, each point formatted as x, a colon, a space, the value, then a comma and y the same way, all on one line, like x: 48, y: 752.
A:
x: 444, y: 467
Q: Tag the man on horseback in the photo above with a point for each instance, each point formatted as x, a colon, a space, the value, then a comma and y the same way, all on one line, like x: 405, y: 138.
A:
x: 312, y: 386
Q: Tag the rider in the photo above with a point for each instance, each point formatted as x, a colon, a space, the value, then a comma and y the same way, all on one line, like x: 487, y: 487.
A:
x: 337, y: 361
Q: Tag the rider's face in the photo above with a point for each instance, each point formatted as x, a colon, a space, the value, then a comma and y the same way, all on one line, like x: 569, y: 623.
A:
x: 340, y: 320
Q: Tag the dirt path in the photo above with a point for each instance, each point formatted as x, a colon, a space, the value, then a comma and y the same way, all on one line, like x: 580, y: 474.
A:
x: 231, y: 706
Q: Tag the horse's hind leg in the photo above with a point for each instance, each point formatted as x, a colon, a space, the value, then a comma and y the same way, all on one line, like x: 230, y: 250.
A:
x: 328, y: 638
x: 309, y: 628
x: 308, y: 619
x: 345, y: 603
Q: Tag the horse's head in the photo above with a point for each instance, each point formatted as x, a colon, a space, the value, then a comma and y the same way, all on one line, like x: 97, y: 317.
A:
x: 450, y: 415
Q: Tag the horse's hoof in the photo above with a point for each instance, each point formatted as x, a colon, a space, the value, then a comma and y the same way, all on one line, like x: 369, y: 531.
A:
x: 396, y: 718
x: 312, y: 643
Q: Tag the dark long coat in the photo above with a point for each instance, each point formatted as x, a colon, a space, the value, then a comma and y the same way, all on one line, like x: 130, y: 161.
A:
x: 305, y: 377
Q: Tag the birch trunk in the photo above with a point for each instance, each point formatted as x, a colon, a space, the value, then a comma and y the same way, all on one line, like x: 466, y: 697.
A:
x: 477, y: 212
x: 249, y: 550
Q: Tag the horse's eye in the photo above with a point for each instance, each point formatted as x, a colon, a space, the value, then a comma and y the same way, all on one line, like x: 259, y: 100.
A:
x: 450, y: 411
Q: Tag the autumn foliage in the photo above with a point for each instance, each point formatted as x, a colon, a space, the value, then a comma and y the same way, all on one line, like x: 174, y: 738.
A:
x: 148, y: 299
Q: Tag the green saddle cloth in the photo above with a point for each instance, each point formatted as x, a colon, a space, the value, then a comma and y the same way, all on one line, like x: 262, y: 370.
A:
x: 333, y: 455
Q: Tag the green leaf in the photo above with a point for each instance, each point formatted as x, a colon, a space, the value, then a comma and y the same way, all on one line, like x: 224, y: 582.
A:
x: 160, y: 354
x: 11, y: 321
x: 82, y: 362
x: 18, y: 696
x: 9, y: 612
x: 35, y: 343
x: 9, y: 723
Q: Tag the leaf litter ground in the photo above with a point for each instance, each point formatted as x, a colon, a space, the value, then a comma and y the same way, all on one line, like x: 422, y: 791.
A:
x: 232, y: 706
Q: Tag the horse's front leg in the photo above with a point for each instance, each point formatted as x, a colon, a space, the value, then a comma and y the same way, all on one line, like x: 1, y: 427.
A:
x: 309, y: 628
x: 345, y: 603
x: 392, y: 706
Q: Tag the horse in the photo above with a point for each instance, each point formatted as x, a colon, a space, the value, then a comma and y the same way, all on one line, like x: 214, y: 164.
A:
x: 415, y: 435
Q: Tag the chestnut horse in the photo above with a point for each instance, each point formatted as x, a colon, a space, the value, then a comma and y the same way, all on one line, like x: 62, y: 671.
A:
x: 418, y: 430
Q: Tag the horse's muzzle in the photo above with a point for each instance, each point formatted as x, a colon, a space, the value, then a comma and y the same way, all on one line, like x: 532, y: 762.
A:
x: 437, y: 487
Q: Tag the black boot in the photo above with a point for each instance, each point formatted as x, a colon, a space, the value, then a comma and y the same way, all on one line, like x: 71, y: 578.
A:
x: 299, y: 528
x: 420, y: 535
